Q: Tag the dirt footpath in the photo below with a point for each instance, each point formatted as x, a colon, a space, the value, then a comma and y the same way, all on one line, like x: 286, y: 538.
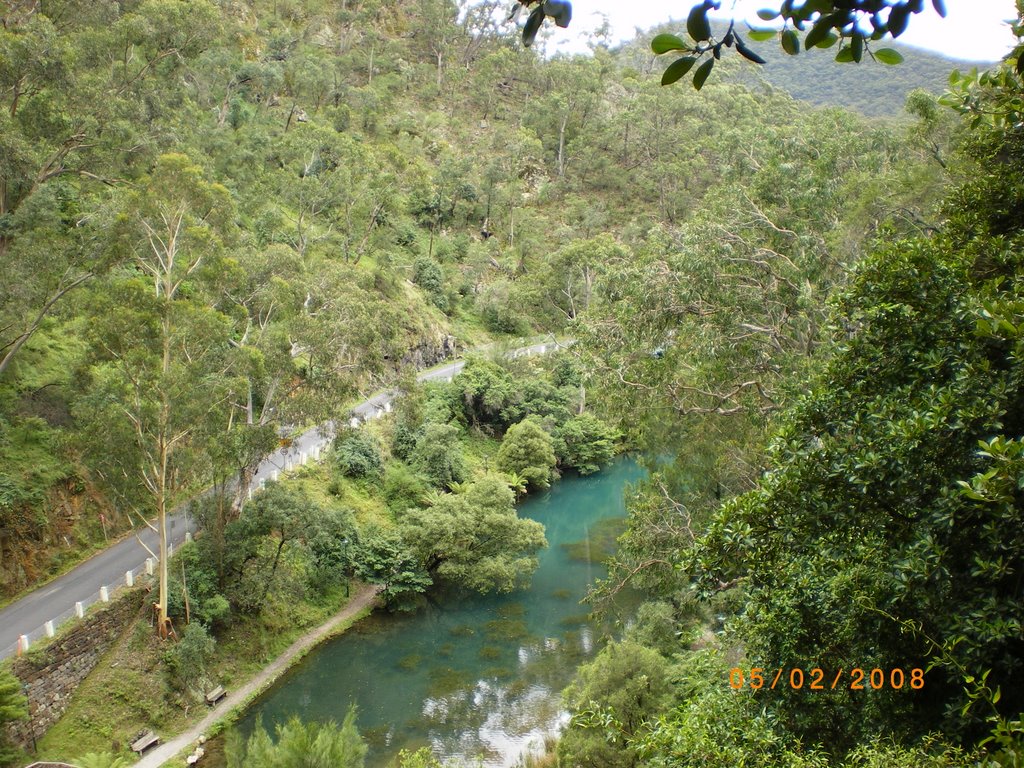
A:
x: 161, y: 754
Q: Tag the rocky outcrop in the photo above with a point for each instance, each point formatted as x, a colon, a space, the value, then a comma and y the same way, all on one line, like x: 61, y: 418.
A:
x: 431, y: 352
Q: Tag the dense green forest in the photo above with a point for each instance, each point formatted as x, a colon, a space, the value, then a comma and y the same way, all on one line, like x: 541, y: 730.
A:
x: 334, y: 218
x: 221, y: 222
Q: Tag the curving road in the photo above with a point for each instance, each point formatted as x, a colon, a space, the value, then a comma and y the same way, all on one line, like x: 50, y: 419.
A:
x: 55, y: 601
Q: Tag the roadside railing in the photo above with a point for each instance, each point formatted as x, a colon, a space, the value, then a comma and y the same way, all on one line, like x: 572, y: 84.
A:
x: 291, y: 458
x: 105, y: 594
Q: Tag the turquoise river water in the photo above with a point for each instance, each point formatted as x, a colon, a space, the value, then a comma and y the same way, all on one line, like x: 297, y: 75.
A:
x: 478, y: 678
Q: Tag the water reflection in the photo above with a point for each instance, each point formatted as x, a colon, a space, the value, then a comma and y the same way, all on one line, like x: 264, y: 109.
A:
x: 479, y: 678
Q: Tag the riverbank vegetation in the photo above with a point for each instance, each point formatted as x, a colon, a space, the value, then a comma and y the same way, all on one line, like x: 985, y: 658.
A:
x: 246, y: 588
x: 221, y: 221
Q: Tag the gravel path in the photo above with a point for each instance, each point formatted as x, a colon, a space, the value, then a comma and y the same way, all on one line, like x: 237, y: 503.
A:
x: 238, y: 697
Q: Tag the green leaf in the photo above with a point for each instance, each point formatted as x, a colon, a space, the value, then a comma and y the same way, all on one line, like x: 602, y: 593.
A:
x: 845, y: 55
x: 760, y: 35
x: 818, y: 34
x: 677, y: 69
x: 898, y: 18
x: 747, y: 53
x: 701, y: 75
x: 768, y: 14
x: 857, y: 47
x: 664, y: 43
x: 790, y: 42
x: 697, y: 24
x: 888, y: 56
x: 532, y: 26
x: 560, y: 11
x: 830, y: 39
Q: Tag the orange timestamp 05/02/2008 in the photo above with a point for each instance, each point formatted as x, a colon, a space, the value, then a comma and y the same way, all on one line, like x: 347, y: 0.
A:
x: 817, y: 679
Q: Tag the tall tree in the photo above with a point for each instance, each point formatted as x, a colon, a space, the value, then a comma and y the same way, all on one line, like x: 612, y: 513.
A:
x: 68, y: 117
x: 163, y: 374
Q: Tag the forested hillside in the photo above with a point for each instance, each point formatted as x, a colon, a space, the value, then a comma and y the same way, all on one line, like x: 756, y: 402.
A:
x: 221, y: 222
x: 876, y: 89
x: 351, y: 185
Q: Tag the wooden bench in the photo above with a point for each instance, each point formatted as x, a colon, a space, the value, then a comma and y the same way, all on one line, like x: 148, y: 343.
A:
x: 145, y: 741
x: 216, y: 695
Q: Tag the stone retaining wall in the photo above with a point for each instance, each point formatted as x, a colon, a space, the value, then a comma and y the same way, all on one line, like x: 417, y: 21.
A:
x: 51, y: 673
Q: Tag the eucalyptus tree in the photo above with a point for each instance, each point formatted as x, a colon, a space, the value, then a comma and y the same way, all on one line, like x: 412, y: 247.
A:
x: 891, y: 491
x: 559, y: 286
x: 161, y: 384
x: 438, y: 33
x: 261, y: 291
x: 704, y: 336
x: 568, y: 95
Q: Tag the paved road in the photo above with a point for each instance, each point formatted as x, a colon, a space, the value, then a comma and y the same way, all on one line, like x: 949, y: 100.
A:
x: 56, y: 600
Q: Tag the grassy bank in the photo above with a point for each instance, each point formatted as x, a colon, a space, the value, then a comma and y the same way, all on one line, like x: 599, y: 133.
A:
x: 130, y: 690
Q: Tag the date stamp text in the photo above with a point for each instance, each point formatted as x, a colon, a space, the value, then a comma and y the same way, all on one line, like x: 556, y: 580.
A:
x: 817, y: 679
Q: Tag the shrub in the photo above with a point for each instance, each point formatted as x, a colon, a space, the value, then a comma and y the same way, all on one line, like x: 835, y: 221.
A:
x: 403, y: 440
x: 438, y: 455
x: 187, y: 660
x: 528, y: 450
x: 357, y: 453
x: 12, y: 707
x: 403, y: 488
x: 584, y: 443
x: 429, y: 276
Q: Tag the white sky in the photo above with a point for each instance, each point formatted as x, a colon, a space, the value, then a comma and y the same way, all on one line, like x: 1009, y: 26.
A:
x: 972, y: 29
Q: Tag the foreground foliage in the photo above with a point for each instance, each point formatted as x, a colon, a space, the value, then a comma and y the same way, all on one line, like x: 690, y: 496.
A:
x: 13, y: 707
x: 300, y: 745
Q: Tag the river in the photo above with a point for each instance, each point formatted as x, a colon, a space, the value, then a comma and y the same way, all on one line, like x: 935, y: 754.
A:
x: 480, y: 677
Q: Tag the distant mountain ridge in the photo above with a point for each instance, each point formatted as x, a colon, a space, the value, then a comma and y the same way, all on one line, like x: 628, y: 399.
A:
x: 871, y: 88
